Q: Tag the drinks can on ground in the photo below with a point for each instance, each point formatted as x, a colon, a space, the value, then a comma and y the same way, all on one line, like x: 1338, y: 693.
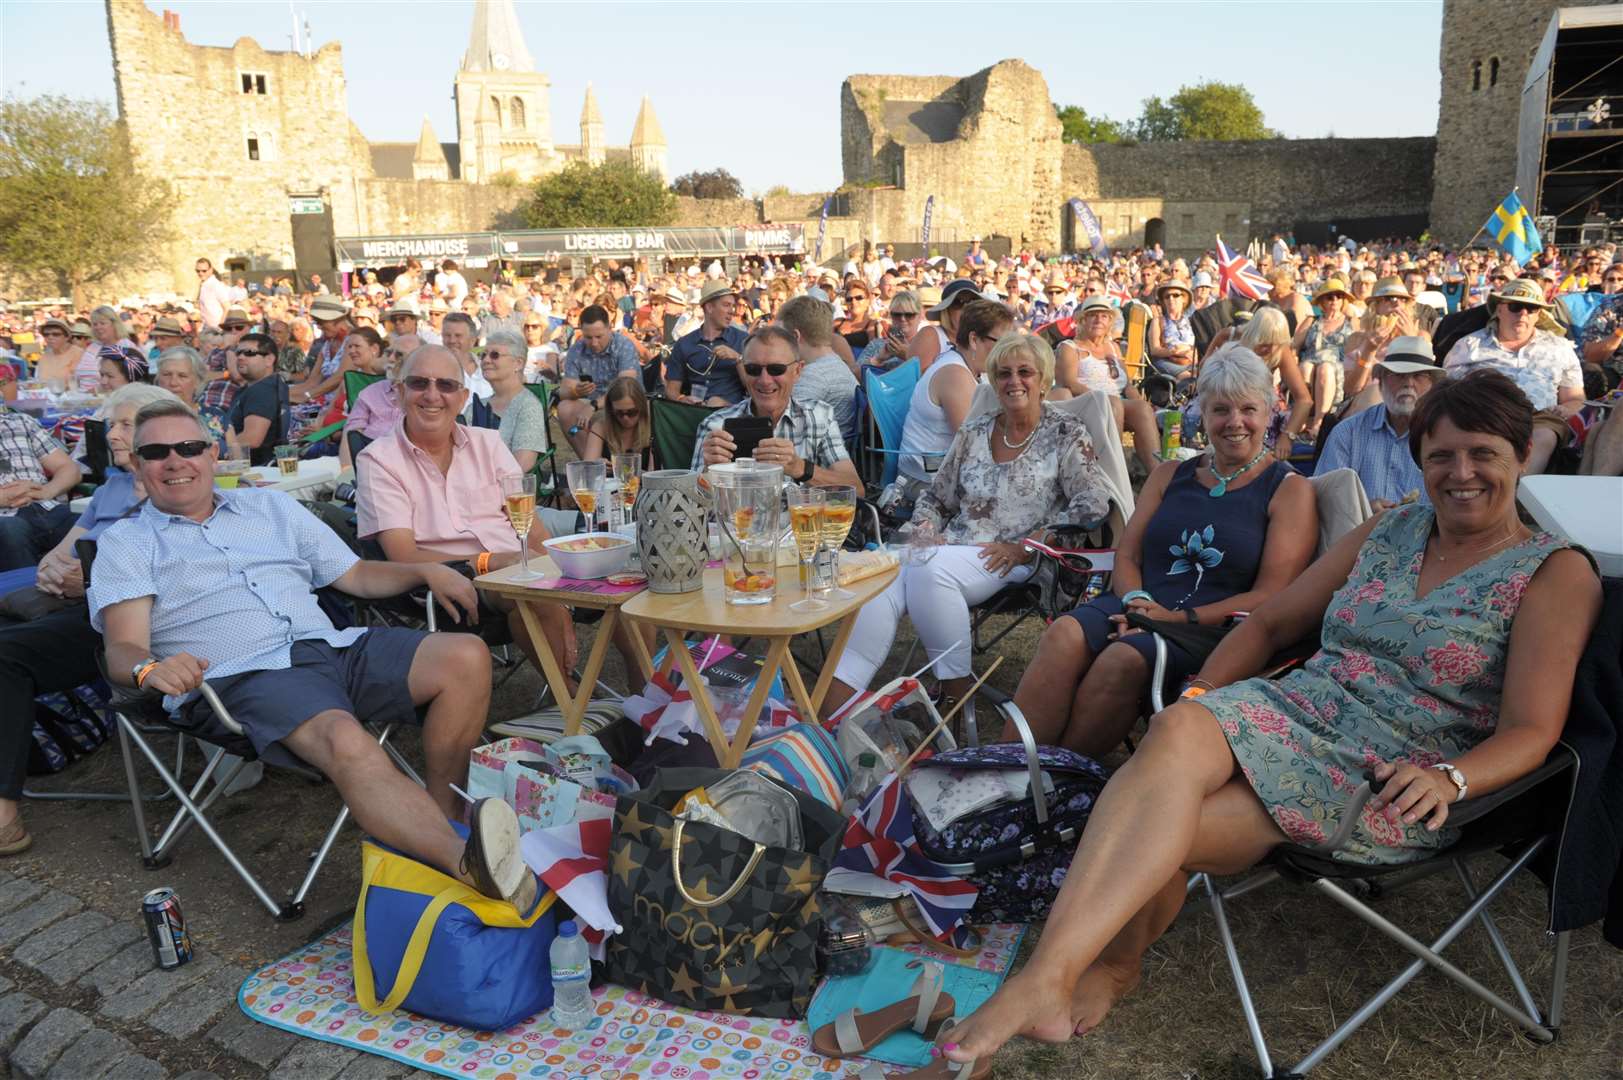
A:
x: 166, y: 929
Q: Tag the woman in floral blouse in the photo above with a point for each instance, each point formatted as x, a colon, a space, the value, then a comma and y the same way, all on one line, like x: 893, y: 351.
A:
x: 1450, y: 636
x: 1007, y: 476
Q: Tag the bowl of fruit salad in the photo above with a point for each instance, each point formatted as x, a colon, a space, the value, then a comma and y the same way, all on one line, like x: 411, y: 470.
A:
x: 589, y: 555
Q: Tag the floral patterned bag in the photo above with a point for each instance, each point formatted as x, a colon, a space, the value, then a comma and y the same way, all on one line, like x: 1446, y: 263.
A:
x: 1015, y: 852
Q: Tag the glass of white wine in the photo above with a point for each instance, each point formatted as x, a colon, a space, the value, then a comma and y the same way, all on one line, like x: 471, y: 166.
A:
x: 628, y: 470
x: 519, y: 494
x: 586, y: 486
x: 806, y: 523
x: 839, y: 513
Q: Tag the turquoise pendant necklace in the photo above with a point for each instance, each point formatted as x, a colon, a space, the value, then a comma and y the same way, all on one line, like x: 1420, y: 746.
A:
x: 1222, y: 487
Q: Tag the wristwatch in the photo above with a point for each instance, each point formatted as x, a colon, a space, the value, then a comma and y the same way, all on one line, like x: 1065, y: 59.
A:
x: 135, y: 671
x: 805, y: 476
x: 1455, y: 775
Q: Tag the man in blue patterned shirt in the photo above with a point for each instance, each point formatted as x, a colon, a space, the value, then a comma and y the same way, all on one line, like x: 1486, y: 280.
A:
x: 1374, y: 443
x: 220, y: 584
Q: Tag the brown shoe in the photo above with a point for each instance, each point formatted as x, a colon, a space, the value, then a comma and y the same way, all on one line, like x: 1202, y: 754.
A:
x: 14, y: 839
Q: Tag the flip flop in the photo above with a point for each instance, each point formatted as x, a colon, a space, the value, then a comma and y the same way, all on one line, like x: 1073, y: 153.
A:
x: 14, y: 839
x: 941, y: 1068
x: 926, y: 1010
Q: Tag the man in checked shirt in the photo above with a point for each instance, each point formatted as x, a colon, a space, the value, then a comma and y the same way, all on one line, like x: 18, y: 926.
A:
x: 35, y: 474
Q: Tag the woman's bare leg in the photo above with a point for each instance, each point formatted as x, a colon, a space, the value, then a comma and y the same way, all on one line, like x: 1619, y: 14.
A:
x: 1142, y: 832
x: 1139, y: 418
x: 1045, y: 691
x: 1235, y: 833
x: 1107, y: 701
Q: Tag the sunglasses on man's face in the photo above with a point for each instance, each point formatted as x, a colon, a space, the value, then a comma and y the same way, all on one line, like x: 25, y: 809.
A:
x: 419, y: 384
x: 755, y: 371
x: 532, y: 326
x: 251, y: 352
x: 160, y: 451
x: 1522, y: 309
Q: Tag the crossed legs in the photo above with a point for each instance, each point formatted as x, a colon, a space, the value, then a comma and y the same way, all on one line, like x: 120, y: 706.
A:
x: 1178, y: 805
x: 450, y: 673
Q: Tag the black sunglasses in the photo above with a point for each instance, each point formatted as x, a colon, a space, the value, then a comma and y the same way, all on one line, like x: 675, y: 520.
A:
x: 627, y: 414
x: 775, y: 370
x: 159, y: 451
x: 419, y: 384
x: 1522, y: 309
x: 252, y: 352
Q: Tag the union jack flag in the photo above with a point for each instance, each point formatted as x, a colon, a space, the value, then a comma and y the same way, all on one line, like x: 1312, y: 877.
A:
x: 1118, y: 294
x: 880, y: 841
x: 1237, y: 275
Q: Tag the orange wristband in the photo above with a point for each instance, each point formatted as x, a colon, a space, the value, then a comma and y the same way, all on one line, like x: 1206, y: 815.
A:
x: 1191, y: 692
x: 481, y: 565
x: 141, y: 676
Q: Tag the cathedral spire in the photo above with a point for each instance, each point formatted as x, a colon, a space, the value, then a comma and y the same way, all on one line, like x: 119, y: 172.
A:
x: 497, y: 42
x: 646, y: 131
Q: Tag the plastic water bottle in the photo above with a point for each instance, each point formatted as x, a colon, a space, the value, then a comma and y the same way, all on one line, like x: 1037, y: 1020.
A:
x: 571, y: 966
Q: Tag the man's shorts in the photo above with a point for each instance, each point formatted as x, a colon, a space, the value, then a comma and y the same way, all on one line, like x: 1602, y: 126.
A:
x: 1557, y: 424
x: 366, y: 680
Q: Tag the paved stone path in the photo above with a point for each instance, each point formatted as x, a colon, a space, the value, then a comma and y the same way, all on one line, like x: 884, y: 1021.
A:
x: 80, y: 999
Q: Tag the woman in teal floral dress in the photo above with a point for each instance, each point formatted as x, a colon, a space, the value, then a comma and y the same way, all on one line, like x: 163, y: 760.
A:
x: 1450, y: 637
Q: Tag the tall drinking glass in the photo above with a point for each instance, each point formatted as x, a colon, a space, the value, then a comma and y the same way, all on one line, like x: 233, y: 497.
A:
x: 586, y: 486
x: 519, y: 494
x: 839, y: 512
x: 806, y: 522
x: 628, y: 470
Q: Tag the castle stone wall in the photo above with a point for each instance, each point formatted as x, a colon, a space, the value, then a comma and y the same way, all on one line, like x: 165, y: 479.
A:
x: 1277, y: 182
x: 1477, y: 119
x: 190, y: 123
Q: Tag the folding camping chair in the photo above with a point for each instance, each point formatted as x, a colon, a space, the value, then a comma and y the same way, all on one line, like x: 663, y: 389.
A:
x: 139, y: 714
x: 888, y: 395
x: 547, y: 488
x: 1506, y: 821
x: 675, y: 431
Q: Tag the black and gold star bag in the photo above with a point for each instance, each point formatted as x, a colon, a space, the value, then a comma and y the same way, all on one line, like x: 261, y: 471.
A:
x: 710, y: 919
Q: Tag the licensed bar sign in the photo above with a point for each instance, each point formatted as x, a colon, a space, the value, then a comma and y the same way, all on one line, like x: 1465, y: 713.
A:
x: 727, y: 240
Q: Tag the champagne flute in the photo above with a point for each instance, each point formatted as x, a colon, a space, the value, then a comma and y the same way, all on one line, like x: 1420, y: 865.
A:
x: 839, y: 513
x: 628, y: 470
x: 519, y: 494
x: 806, y: 522
x: 585, y: 485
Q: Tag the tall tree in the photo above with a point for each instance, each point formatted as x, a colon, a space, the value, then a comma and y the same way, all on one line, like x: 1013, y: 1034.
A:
x: 615, y: 194
x: 1076, y: 126
x: 1209, y: 110
x: 715, y: 184
x: 72, y: 204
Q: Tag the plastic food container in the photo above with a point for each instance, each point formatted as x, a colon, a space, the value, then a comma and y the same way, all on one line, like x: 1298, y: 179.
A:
x: 590, y: 555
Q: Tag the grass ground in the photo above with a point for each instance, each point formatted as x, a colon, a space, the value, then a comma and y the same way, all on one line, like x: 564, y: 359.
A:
x: 1309, y: 964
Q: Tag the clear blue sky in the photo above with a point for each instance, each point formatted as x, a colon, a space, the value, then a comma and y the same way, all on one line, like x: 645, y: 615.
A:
x: 754, y: 88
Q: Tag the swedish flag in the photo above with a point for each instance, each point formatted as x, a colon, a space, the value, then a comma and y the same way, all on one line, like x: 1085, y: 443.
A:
x: 1512, y: 226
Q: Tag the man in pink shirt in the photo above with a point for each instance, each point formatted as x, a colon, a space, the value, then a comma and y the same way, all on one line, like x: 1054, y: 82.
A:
x: 430, y: 491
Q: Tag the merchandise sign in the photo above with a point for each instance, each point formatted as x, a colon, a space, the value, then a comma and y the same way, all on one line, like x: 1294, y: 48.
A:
x: 388, y: 250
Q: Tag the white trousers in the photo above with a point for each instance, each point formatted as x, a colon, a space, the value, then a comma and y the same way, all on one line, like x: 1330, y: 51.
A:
x: 936, y: 596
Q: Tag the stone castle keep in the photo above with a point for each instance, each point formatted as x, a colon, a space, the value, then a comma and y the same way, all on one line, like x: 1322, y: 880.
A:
x: 264, y: 138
